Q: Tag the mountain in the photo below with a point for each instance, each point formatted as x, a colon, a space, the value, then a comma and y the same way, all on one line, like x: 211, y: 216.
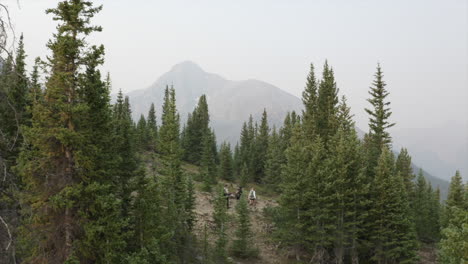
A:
x: 230, y: 102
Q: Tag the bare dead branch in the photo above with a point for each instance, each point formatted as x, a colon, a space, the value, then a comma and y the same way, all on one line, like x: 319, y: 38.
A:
x: 8, y: 231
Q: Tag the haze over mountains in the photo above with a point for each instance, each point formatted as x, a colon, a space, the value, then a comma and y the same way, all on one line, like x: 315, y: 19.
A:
x: 230, y: 103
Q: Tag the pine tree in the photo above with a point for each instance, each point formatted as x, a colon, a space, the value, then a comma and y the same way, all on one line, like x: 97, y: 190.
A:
x: 455, y: 232
x: 14, y: 98
x: 142, y: 134
x: 236, y: 162
x: 261, y: 148
x: 226, y: 162
x: 14, y: 114
x: 393, y: 235
x: 244, y: 175
x: 274, y: 161
x: 433, y: 228
x: 327, y: 105
x: 455, y: 196
x: 220, y: 218
x: 309, y: 99
x: 344, y: 116
x: 20, y: 83
x: 208, y: 163
x: 124, y: 147
x: 454, y: 236
x: 152, y: 128
x: 103, y: 239
x: 403, y: 166
x: 421, y: 208
x: 350, y: 196
x: 56, y: 165
x: 243, y: 244
x: 291, y: 229
x: 247, y: 146
x: 149, y: 231
x: 197, y: 127
x: 173, y: 183
x: 35, y: 94
x: 378, y: 121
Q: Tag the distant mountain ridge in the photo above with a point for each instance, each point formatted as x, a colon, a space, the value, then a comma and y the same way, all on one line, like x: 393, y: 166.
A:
x: 230, y: 102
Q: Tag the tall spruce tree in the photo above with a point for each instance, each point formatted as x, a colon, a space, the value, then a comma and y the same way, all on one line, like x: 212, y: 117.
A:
x: 226, y: 162
x: 292, y: 201
x: 327, y: 105
x: 124, y: 146
x: 309, y: 99
x: 142, y: 133
x: 455, y: 231
x: 421, y: 208
x: 19, y: 89
x: 260, y: 149
x: 173, y: 183
x: 35, y: 94
x: 379, y: 119
x: 152, y: 128
x: 392, y: 235
x: 403, y: 166
x: 208, y: 162
x: 220, y: 218
x: 103, y: 224
x: 349, y: 197
x: 274, y: 161
x: 197, y: 127
x: 15, y: 113
x: 242, y: 245
x: 57, y: 168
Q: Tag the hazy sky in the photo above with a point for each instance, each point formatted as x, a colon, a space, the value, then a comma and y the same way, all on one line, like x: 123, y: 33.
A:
x: 421, y: 45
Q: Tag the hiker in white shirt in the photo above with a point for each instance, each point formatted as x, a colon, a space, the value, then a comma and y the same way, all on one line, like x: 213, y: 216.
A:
x: 252, y: 196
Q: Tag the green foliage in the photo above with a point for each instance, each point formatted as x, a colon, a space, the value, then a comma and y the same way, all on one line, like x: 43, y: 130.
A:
x: 456, y: 196
x: 226, y: 162
x: 309, y: 99
x: 197, y: 127
x: 142, y: 133
x: 244, y: 175
x: 260, y: 149
x: 152, y: 128
x: 378, y: 120
x: 403, y: 166
x: 244, y: 243
x: 293, y: 189
x: 393, y: 234
x: 327, y: 105
x: 426, y: 209
x: 274, y: 161
x: 220, y: 218
x: 208, y: 165
x: 453, y: 245
x: 61, y: 157
x: 349, y: 196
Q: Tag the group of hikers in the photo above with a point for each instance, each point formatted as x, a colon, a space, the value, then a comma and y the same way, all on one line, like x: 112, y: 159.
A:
x: 252, y: 195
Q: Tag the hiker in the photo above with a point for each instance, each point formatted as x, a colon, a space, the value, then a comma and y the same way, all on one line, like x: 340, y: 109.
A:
x: 239, y: 193
x: 252, y: 197
x: 226, y: 194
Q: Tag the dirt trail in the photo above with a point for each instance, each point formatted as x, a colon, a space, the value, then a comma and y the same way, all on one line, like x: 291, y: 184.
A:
x: 204, y: 210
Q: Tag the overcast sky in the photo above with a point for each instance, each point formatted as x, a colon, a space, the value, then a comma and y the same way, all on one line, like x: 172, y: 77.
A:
x: 421, y: 45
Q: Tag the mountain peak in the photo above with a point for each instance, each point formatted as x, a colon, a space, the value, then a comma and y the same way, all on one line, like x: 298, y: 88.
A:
x: 187, y: 66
